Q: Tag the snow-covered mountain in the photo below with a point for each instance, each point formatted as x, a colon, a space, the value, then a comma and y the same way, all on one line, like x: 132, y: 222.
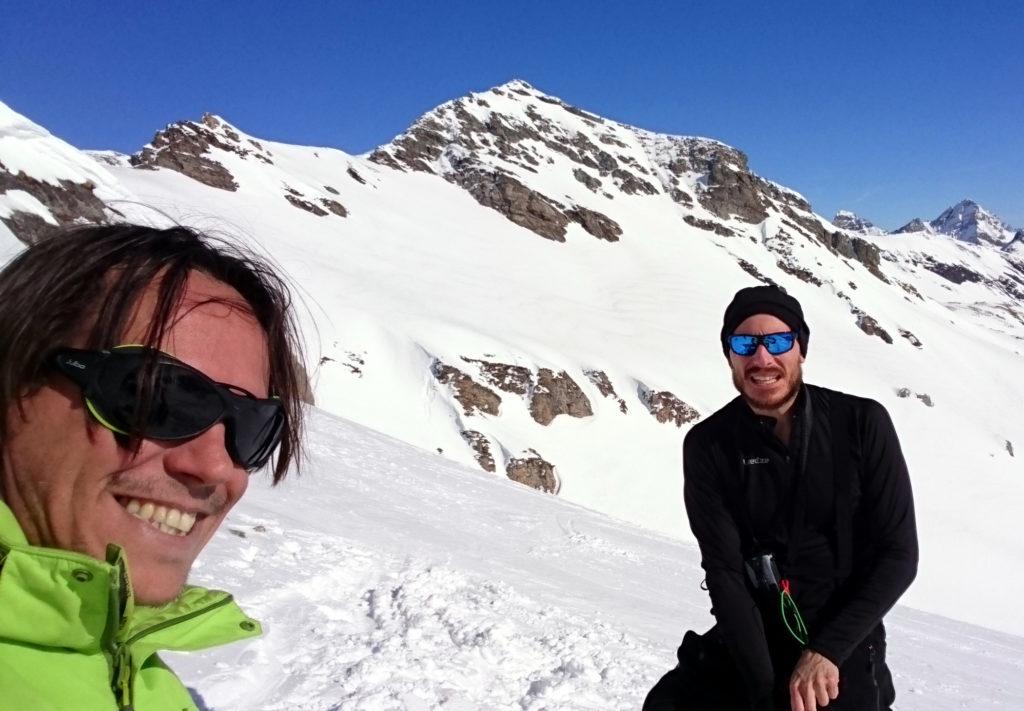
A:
x: 528, y: 288
x: 846, y: 220
x: 966, y: 221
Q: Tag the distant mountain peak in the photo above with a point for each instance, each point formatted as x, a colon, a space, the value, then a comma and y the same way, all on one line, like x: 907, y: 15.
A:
x: 970, y: 222
x: 185, y: 146
x: 852, y: 222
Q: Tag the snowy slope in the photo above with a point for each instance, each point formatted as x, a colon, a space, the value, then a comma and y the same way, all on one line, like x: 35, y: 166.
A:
x: 424, y: 267
x: 390, y: 578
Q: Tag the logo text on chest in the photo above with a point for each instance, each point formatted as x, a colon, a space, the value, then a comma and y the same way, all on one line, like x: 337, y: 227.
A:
x: 755, y: 460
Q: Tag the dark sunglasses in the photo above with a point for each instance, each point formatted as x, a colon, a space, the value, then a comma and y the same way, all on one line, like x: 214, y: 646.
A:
x: 774, y: 343
x: 184, y: 402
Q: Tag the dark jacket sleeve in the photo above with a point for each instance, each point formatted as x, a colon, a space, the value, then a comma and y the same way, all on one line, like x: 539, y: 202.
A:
x: 888, y: 506
x: 722, y: 559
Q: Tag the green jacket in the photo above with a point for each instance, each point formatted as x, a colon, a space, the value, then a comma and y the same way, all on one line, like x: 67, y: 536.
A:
x: 71, y: 636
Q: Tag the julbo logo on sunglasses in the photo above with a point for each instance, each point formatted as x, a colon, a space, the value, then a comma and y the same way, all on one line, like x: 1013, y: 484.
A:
x: 774, y: 343
x: 183, y: 402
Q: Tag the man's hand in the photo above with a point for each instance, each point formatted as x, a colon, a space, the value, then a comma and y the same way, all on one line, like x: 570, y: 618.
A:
x: 814, y: 683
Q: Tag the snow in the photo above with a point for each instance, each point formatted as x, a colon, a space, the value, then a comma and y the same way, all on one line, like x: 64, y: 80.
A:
x: 419, y: 271
x: 20, y: 201
x: 390, y: 578
x: 30, y: 148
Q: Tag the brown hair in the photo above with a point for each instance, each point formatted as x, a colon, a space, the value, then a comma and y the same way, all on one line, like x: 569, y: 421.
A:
x: 49, y: 292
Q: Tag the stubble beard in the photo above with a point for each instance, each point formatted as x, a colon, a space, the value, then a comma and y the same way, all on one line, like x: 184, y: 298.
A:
x: 795, y: 382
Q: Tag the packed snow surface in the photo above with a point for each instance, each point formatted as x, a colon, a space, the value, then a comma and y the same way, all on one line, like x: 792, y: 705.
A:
x: 388, y: 578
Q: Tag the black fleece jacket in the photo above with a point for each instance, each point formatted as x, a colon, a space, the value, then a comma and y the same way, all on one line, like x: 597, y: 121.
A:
x: 739, y: 484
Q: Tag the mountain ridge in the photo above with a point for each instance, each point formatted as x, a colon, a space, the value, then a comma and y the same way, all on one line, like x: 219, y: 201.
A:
x: 555, y: 321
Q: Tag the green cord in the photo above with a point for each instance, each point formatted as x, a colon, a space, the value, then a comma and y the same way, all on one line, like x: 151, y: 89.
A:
x: 800, y: 633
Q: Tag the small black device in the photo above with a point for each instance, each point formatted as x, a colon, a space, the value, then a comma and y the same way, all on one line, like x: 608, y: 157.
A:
x: 763, y: 573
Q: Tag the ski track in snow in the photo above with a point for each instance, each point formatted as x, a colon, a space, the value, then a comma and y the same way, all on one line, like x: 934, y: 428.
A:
x: 503, y: 599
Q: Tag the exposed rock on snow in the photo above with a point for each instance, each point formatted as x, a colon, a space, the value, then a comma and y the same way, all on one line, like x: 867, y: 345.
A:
x: 711, y: 226
x: 911, y: 337
x: 186, y: 148
x: 557, y: 395
x: 305, y: 205
x: 595, y: 223
x: 604, y: 385
x: 666, y: 407
x: 510, y: 378
x: 755, y: 272
x: 870, y: 326
x: 66, y: 202
x: 473, y: 396
x: 956, y: 273
x: 334, y: 206
x: 534, y: 471
x: 527, y: 208
x: 732, y: 190
x: 481, y: 447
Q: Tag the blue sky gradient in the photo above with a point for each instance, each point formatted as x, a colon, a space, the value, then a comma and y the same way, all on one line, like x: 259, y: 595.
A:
x: 891, y: 109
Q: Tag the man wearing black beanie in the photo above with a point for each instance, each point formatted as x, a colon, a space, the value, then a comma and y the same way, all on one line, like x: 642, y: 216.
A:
x: 800, y: 501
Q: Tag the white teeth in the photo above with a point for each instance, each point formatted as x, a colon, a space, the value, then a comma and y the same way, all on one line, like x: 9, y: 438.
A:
x: 168, y: 520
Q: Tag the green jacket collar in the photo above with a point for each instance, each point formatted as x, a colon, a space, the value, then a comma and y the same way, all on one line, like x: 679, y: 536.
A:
x: 58, y: 598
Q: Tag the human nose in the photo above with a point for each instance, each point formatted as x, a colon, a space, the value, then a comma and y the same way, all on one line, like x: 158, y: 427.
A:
x: 203, y: 460
x: 761, y: 356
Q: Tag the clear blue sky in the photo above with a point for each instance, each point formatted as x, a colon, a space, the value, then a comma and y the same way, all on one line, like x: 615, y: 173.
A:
x: 891, y: 109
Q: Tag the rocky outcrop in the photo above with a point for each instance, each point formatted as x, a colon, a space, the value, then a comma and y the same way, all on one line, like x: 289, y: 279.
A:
x: 185, y: 146
x: 911, y: 337
x: 798, y: 272
x: 666, y: 407
x: 717, y: 227
x: 915, y: 225
x: 604, y: 386
x: 595, y: 223
x: 923, y: 397
x: 556, y: 395
x: 956, y: 273
x: 305, y: 205
x: 870, y: 326
x: 755, y: 272
x: 534, y: 471
x: 481, y: 447
x: 334, y: 206
x: 733, y: 191
x: 511, y: 378
x: 68, y: 203
x: 592, y: 183
x: 526, y: 208
x: 473, y: 396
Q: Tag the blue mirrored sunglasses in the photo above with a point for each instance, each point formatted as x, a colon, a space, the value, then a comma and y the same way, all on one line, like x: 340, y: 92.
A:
x: 774, y: 343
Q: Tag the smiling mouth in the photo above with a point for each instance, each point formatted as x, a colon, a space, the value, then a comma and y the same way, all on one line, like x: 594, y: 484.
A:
x: 766, y: 379
x: 166, y: 519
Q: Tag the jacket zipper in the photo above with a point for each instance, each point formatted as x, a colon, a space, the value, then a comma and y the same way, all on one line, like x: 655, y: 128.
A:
x: 123, y: 677
x: 874, y: 677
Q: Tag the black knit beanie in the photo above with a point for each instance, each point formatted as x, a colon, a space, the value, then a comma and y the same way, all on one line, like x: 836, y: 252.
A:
x: 765, y: 300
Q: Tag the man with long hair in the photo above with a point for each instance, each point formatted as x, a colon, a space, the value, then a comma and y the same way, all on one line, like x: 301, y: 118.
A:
x: 144, y: 375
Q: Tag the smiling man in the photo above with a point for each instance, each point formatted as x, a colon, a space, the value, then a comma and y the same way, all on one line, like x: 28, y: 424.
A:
x: 800, y: 501
x: 144, y: 375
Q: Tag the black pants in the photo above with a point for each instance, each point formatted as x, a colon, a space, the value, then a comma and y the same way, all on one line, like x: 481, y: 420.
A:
x: 706, y: 679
